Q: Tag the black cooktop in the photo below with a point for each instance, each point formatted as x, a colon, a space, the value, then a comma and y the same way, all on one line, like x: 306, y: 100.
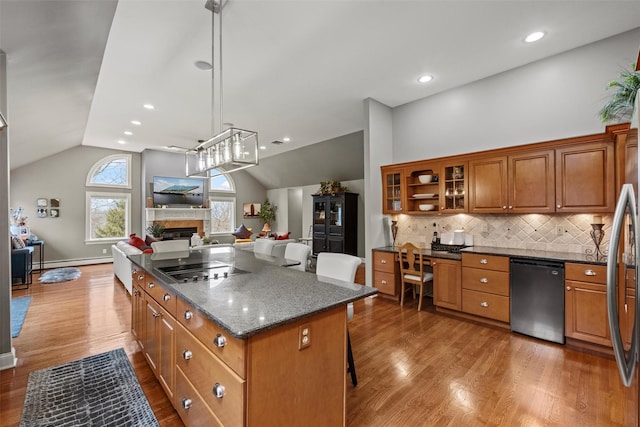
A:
x: 212, y: 270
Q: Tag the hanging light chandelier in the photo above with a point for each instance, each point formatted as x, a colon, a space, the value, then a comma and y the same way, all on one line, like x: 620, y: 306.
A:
x: 3, y: 122
x: 231, y: 149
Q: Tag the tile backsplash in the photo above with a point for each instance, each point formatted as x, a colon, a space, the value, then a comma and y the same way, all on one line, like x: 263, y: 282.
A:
x: 559, y: 233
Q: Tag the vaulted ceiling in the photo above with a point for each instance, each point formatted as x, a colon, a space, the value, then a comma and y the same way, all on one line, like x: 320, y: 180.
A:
x: 80, y: 71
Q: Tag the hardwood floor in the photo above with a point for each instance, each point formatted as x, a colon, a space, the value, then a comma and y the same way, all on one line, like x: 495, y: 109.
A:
x: 414, y: 369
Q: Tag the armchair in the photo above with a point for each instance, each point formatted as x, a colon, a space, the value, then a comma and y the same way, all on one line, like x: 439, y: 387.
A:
x: 21, y: 265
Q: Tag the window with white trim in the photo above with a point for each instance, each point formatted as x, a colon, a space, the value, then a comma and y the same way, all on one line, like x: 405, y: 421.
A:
x: 111, y: 171
x: 223, y: 208
x: 107, y: 216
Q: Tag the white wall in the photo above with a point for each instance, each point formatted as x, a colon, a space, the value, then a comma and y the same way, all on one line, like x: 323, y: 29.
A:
x: 554, y: 98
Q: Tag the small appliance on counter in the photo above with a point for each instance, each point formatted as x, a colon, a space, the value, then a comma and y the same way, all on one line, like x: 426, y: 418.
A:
x: 452, y: 242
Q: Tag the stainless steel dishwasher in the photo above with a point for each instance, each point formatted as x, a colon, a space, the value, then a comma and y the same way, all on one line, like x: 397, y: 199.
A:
x: 537, y: 298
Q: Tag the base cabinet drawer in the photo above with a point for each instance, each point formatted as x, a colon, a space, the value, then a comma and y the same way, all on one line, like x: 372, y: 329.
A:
x: 384, y: 261
x: 385, y: 282
x: 493, y: 282
x: 192, y: 409
x: 222, y: 390
x: 486, y: 305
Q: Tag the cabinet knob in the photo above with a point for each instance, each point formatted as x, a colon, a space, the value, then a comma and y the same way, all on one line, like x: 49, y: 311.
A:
x: 383, y: 282
x: 151, y: 285
x: 510, y: 207
x: 219, y: 341
x: 187, y: 354
x: 568, y: 288
x: 166, y: 297
x: 484, y: 304
x: 484, y: 261
x: 504, y: 208
x: 188, y: 315
x: 218, y: 390
x: 156, y: 314
x: 589, y: 273
x: 384, y: 261
x: 484, y: 280
x: 186, y: 403
x: 558, y: 207
x: 141, y: 277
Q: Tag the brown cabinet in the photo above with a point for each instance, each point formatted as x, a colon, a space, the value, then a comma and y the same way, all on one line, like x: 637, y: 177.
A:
x: 392, y: 190
x: 586, y: 317
x: 159, y: 343
x: 521, y: 182
x: 585, y: 177
x: 453, y: 188
x: 447, y: 283
x: 485, y: 286
x: 386, y: 273
x: 421, y: 193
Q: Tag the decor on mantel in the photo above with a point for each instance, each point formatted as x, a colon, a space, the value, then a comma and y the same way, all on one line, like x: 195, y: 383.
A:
x: 597, y: 234
x: 229, y: 150
x: 621, y: 105
x: 331, y: 187
x: 156, y: 229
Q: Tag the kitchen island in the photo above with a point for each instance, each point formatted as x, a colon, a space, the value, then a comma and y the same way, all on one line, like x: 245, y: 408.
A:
x: 236, y: 338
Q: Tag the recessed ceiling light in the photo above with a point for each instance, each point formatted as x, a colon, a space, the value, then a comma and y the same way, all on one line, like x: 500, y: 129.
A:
x: 128, y: 132
x: 262, y: 147
x: 203, y: 65
x: 426, y: 78
x: 121, y: 141
x: 149, y: 106
x: 286, y: 139
x: 136, y: 122
x: 534, y: 37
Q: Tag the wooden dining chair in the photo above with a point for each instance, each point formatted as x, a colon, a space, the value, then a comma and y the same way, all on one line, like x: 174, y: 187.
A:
x: 412, y: 271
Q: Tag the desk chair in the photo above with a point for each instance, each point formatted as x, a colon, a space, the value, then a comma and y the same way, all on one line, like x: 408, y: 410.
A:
x: 412, y: 271
x: 298, y: 252
x: 341, y: 267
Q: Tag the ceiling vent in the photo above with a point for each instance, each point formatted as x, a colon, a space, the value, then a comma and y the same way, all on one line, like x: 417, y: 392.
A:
x: 277, y: 142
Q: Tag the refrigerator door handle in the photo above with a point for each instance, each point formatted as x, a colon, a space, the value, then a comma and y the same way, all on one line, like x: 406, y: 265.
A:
x: 626, y: 362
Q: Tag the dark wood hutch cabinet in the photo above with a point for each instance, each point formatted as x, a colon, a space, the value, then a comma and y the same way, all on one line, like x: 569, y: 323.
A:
x: 335, y: 223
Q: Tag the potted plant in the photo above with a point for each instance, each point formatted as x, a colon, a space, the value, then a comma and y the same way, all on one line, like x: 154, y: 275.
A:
x: 156, y: 230
x: 331, y: 187
x: 621, y: 105
x: 267, y: 212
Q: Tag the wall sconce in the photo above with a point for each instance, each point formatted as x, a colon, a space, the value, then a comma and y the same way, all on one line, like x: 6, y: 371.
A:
x: 3, y: 122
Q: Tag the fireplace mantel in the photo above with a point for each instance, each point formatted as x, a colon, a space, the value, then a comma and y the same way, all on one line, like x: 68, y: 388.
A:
x: 182, y: 215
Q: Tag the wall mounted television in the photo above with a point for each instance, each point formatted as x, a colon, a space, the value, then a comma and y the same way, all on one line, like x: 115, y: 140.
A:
x: 177, y: 192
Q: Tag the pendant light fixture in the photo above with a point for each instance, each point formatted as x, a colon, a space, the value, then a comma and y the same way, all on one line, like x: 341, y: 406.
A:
x: 3, y: 122
x: 231, y: 149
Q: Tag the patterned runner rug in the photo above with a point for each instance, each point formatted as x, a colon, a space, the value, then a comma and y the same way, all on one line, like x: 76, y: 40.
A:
x: 100, y: 390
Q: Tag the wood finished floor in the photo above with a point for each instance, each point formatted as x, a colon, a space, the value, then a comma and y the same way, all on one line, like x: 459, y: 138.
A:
x: 414, y: 369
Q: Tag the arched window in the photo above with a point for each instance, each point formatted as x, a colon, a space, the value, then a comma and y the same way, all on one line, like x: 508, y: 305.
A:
x: 111, y: 171
x: 108, y: 214
x: 223, y: 208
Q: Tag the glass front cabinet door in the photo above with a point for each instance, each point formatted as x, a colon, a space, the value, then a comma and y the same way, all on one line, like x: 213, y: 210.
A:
x: 392, y: 191
x: 453, y: 193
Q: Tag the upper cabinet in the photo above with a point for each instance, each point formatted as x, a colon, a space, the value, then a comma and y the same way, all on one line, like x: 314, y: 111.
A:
x: 585, y: 177
x: 423, y: 188
x: 572, y: 175
x: 521, y: 182
x: 392, y: 190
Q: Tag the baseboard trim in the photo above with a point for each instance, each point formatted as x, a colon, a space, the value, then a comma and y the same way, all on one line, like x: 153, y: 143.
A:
x: 76, y: 262
x: 8, y: 360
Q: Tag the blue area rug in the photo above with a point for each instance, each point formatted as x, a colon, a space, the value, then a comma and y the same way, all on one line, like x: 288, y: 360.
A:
x: 100, y: 390
x: 19, y: 307
x: 60, y: 275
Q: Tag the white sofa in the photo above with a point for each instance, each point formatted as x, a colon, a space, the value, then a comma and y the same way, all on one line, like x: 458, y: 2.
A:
x: 121, y: 264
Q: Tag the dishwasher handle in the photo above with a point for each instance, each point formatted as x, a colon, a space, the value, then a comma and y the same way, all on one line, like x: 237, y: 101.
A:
x: 538, y: 262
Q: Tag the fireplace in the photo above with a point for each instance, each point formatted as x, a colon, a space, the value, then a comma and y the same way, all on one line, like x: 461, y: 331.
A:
x: 175, y: 219
x: 179, y: 233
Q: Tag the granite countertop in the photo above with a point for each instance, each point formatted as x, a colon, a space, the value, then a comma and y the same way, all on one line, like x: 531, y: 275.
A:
x: 510, y: 252
x: 259, y: 294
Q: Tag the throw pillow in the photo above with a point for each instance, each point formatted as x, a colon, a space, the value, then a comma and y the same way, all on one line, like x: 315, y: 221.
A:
x: 283, y: 236
x: 137, y: 242
x: 18, y: 243
x: 148, y: 239
x: 242, y: 232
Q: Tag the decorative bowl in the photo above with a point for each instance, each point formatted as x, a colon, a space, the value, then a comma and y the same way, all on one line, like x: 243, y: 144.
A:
x: 425, y: 179
x: 426, y: 207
